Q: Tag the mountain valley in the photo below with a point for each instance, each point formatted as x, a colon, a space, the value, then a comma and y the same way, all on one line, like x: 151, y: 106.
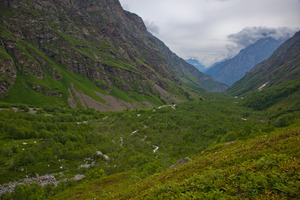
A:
x: 93, y: 106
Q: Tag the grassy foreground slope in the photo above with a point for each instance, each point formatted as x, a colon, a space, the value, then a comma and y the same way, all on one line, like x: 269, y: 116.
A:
x: 266, y: 167
x: 263, y: 168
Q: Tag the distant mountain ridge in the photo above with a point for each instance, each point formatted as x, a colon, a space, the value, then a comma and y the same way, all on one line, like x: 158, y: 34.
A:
x: 281, y: 67
x: 231, y: 70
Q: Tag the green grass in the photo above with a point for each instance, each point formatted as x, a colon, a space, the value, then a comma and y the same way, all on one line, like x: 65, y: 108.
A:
x: 80, y: 83
x: 134, y: 97
x: 19, y: 94
x: 261, y: 100
x: 71, y: 40
x: 120, y: 94
x: 3, y: 53
x: 145, y: 65
x: 100, y: 188
x: 89, y: 49
x: 6, y: 33
x: 85, y: 51
x: 32, y: 12
x: 118, y: 64
x: 147, y: 98
x: 47, y: 82
x: 7, y: 12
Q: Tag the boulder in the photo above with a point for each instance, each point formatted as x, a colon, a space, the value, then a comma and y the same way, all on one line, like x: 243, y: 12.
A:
x: 181, y: 161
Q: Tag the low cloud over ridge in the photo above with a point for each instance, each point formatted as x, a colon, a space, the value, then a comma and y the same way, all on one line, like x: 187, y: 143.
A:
x: 200, y: 28
x: 250, y: 35
x: 152, y: 27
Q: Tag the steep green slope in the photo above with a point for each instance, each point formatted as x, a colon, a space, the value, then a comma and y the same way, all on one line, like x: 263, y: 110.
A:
x: 83, y: 53
x: 57, y: 85
x: 274, y: 84
x: 284, y: 95
x: 263, y: 168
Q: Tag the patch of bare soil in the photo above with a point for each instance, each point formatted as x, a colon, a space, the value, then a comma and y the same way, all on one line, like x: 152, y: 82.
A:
x: 146, y: 104
x: 15, y: 109
x: 112, y: 103
x: 71, y: 100
x: 262, y: 120
x: 33, y: 110
x: 80, y: 97
x: 166, y: 95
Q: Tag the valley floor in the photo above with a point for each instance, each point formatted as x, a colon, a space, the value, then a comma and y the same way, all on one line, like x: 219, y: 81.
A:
x: 63, y: 153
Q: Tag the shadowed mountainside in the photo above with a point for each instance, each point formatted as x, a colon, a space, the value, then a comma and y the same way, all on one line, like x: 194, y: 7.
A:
x: 70, y: 51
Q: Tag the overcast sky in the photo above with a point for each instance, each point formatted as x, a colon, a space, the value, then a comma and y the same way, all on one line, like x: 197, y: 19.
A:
x: 212, y: 30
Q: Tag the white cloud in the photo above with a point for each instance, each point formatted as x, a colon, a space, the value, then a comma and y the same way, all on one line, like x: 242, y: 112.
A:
x: 152, y: 27
x: 250, y: 35
x: 199, y: 28
x: 126, y: 7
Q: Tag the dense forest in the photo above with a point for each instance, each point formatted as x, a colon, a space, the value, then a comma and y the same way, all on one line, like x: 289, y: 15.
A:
x: 47, y: 150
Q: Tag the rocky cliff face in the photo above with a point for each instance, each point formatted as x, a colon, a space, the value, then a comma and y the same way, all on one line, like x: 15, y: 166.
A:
x: 42, y: 41
x: 233, y: 69
x: 282, y: 66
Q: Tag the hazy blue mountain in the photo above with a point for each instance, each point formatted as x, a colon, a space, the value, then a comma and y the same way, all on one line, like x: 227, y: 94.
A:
x: 196, y: 64
x: 231, y: 70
